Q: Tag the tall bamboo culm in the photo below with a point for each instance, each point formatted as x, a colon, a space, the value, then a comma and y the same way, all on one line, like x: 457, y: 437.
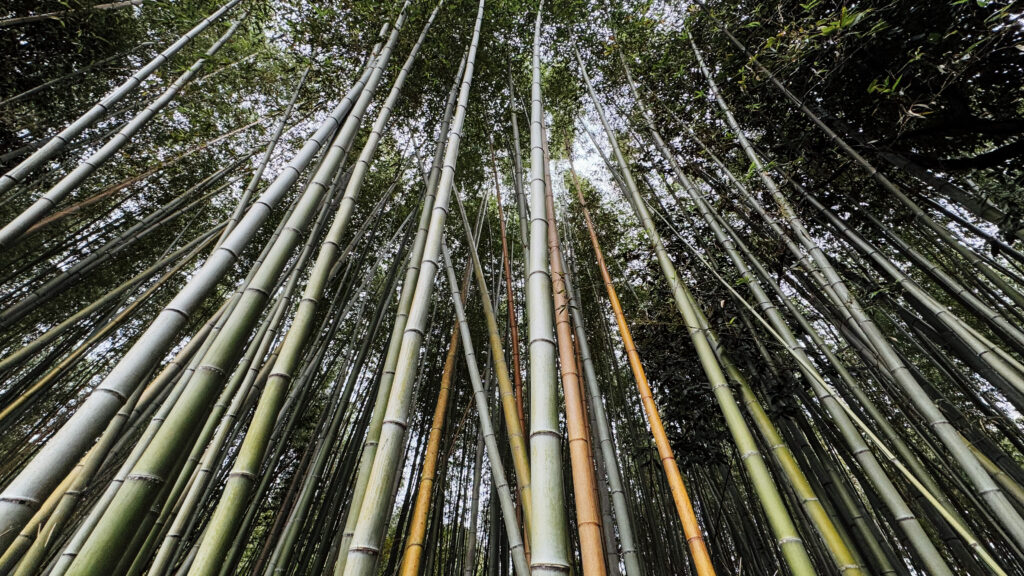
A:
x: 364, y: 550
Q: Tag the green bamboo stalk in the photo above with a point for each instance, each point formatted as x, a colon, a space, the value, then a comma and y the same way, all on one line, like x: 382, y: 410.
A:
x: 368, y: 534
x: 500, y: 481
x: 409, y: 282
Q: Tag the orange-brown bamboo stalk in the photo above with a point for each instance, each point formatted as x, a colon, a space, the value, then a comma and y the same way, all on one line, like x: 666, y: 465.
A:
x: 510, y: 295
x: 691, y: 528
x: 588, y: 512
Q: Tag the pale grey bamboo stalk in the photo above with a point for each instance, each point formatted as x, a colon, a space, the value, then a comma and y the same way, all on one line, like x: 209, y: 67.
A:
x: 500, y: 479
x: 549, y: 553
x: 35, y: 545
x: 56, y: 458
x: 366, y: 540
x: 65, y: 136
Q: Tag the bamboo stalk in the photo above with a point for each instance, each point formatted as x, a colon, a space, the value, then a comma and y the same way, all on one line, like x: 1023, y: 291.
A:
x: 549, y: 554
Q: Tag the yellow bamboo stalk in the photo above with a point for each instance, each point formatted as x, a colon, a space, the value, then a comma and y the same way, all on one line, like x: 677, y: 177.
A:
x: 413, y: 553
x: 691, y: 528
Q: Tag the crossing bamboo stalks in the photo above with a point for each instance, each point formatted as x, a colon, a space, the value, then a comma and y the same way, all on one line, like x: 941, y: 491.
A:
x: 242, y: 382
x: 788, y: 539
x: 61, y: 503
x: 194, y: 249
x: 62, y: 139
x: 837, y: 546
x: 412, y: 554
x: 509, y: 404
x: 366, y: 540
x: 983, y: 210
x: 898, y: 508
x: 287, y: 542
x: 933, y: 500
x: 236, y: 493
x: 483, y: 410
x: 939, y: 424
x: 151, y: 477
x: 891, y: 497
x: 28, y: 350
x: 684, y: 508
x: 252, y: 381
x: 177, y: 207
x: 257, y: 175
x: 157, y: 463
x: 57, y: 457
x: 409, y: 282
x: 14, y: 229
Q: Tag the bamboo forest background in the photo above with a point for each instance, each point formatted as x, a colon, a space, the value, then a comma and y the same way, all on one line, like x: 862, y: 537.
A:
x: 497, y: 287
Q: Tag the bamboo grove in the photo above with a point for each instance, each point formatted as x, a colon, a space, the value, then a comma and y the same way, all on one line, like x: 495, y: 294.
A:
x: 495, y: 287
